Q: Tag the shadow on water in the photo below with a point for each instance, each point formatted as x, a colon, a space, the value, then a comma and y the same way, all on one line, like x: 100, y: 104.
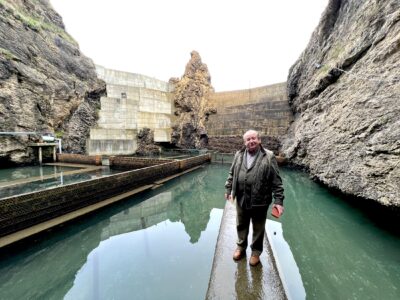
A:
x: 55, y: 264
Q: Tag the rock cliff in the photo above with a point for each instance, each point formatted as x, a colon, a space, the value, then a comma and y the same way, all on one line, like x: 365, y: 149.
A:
x: 192, y: 106
x: 344, y: 91
x: 46, y: 83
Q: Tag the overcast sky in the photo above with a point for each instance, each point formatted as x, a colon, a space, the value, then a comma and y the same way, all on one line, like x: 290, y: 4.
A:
x: 244, y: 43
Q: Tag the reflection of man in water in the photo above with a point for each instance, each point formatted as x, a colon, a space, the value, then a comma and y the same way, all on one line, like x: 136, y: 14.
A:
x: 253, y: 178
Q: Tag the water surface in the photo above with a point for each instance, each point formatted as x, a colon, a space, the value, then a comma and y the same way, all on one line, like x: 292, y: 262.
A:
x: 341, y: 252
x: 18, y: 173
x: 158, y: 245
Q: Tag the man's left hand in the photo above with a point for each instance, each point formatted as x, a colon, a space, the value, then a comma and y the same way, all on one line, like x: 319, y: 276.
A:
x: 280, y: 208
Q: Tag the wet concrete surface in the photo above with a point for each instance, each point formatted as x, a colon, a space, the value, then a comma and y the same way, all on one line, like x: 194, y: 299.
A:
x: 238, y: 280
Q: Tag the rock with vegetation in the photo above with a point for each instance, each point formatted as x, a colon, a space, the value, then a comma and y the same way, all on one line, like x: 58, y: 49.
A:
x: 192, y: 106
x: 46, y: 84
x: 344, y: 90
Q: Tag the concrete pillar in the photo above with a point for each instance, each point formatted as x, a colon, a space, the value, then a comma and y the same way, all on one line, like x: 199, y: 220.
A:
x: 40, y: 154
x: 54, y: 154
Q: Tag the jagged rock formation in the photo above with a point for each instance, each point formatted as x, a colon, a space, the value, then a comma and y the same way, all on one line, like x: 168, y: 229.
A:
x: 344, y: 91
x: 46, y: 84
x: 146, y: 144
x: 192, y: 106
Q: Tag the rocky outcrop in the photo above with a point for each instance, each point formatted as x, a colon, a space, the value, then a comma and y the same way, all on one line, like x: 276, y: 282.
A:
x: 344, y: 91
x: 192, y: 107
x: 46, y: 84
x: 146, y: 145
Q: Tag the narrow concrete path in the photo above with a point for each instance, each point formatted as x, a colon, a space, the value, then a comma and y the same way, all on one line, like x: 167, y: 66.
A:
x: 238, y: 280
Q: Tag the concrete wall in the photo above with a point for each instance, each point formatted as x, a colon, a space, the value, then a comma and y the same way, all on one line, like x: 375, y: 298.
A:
x: 136, y: 101
x: 133, y: 102
x: 131, y: 79
x: 265, y: 109
x: 79, y: 159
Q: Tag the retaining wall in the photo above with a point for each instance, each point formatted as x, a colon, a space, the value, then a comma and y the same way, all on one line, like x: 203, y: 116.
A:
x: 123, y: 162
x: 233, y: 143
x: 133, y: 102
x: 22, y: 211
x: 265, y: 109
x: 79, y: 159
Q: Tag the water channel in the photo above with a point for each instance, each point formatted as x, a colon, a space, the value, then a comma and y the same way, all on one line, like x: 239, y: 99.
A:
x: 160, y: 245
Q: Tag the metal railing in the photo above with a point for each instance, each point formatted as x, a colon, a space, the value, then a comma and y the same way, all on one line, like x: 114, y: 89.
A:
x: 222, y: 158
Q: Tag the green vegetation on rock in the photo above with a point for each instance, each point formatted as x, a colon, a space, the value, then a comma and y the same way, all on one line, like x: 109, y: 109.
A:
x: 7, y: 54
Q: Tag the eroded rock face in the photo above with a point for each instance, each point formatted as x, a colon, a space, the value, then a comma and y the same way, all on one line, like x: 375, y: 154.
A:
x: 46, y: 84
x: 344, y: 91
x: 146, y: 144
x: 192, y: 106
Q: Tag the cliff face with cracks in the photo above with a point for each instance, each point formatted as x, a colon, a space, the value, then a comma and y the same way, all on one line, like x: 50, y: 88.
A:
x: 344, y: 91
x: 46, y: 84
x: 192, y: 106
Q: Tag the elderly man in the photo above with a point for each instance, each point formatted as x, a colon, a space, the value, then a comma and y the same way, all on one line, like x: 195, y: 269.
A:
x: 253, y: 179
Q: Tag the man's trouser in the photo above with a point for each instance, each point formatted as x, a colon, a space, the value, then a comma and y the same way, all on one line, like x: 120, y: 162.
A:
x: 258, y: 216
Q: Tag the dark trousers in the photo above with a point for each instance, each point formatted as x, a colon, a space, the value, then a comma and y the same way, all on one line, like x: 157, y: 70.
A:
x: 258, y: 216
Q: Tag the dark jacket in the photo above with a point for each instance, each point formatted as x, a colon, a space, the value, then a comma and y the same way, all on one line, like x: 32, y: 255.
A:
x: 267, y: 181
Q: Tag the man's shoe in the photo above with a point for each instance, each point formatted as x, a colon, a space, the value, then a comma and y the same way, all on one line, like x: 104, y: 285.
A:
x: 254, y: 260
x: 239, y: 254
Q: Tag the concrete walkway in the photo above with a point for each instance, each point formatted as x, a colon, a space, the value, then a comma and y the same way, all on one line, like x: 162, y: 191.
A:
x: 238, y: 280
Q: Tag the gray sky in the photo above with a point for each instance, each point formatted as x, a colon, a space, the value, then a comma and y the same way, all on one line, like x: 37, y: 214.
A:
x: 244, y: 43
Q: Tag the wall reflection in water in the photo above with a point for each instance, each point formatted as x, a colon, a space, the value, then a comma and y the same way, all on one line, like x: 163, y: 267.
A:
x: 153, y: 240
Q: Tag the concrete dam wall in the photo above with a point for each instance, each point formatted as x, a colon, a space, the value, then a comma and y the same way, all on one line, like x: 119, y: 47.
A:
x: 265, y: 109
x: 133, y: 102
x: 136, y: 101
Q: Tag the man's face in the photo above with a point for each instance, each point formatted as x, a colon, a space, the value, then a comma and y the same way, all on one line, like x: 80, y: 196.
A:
x: 251, y: 141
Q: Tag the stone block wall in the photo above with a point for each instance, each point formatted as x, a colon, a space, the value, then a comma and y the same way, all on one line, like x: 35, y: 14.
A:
x: 265, y: 109
x: 233, y: 143
x: 123, y: 162
x: 133, y: 102
x: 191, y: 162
x: 131, y: 79
x: 79, y: 159
x: 22, y: 211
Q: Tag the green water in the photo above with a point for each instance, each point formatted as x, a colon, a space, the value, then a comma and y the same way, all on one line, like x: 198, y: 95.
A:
x: 11, y: 174
x: 55, y: 181
x: 342, y: 251
x: 158, y: 245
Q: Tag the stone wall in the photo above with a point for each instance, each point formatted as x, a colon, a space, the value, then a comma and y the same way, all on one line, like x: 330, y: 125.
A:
x: 123, y: 162
x: 233, y: 143
x: 264, y: 109
x: 22, y: 211
x: 79, y: 159
x: 133, y: 102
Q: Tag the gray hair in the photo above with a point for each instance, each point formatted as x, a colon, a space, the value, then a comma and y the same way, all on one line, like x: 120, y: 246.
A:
x: 252, y: 130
